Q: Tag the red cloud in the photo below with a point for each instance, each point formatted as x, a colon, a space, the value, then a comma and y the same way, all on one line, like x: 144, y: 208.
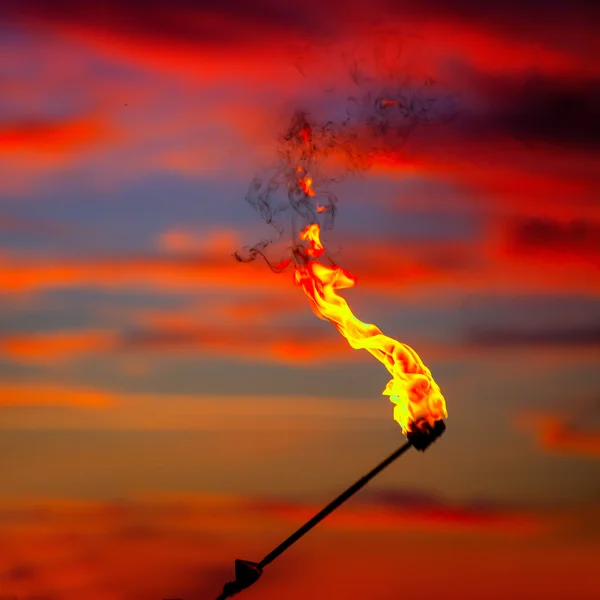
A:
x: 51, y: 136
x: 35, y: 149
x: 183, y: 548
x: 435, y: 516
x: 272, y: 344
x: 216, y: 43
x: 574, y: 240
x: 51, y: 394
x: 559, y: 435
x: 173, y: 38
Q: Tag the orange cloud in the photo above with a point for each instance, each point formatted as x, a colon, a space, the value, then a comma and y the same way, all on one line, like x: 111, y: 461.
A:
x: 70, y: 407
x: 167, y: 273
x: 278, y: 344
x: 262, y: 309
x: 185, y: 241
x: 56, y: 345
x: 244, y: 313
x: 556, y: 434
x: 436, y: 516
x: 51, y: 394
x: 272, y: 344
x: 245, y: 323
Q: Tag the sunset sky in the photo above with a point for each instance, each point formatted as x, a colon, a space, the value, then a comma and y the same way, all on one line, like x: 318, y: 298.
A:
x: 165, y: 409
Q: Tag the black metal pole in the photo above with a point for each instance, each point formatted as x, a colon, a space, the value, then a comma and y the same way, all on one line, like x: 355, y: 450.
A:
x: 332, y: 506
x: 248, y: 572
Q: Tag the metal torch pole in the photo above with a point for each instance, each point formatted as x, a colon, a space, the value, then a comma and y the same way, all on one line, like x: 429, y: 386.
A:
x: 248, y: 572
x: 332, y: 506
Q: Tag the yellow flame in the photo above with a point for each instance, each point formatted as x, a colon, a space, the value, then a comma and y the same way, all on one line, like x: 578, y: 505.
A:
x: 306, y: 185
x: 305, y: 182
x: 416, y: 396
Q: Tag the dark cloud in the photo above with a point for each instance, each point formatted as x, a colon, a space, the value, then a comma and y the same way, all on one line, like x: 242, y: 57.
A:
x: 412, y: 509
x: 543, y: 109
x: 578, y: 237
x: 155, y: 18
x: 584, y: 336
x: 559, y: 112
x: 543, y: 19
x: 536, y: 109
x: 536, y: 321
x: 181, y: 21
x: 414, y: 499
x: 404, y: 498
x: 20, y: 572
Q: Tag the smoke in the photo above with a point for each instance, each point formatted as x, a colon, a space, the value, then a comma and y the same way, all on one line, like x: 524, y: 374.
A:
x: 313, y: 155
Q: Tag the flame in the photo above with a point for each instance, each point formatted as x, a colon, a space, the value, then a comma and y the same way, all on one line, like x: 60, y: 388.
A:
x: 305, y: 182
x: 416, y: 396
x: 306, y: 185
x: 306, y: 135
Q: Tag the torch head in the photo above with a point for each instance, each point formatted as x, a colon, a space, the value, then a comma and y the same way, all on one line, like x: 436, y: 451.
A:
x: 246, y: 573
x: 424, y: 434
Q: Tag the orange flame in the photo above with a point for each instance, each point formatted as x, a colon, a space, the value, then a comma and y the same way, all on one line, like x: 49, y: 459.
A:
x: 306, y: 185
x: 305, y: 182
x: 416, y: 396
x: 306, y: 135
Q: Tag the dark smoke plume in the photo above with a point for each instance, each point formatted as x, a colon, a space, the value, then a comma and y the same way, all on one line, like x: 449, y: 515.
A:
x: 313, y: 156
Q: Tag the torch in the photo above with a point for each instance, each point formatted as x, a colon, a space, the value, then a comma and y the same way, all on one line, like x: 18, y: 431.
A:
x: 419, y: 406
x: 248, y: 572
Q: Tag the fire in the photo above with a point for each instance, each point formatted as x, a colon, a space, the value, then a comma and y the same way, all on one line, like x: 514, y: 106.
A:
x: 306, y: 134
x: 306, y: 185
x: 305, y: 182
x: 416, y: 396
